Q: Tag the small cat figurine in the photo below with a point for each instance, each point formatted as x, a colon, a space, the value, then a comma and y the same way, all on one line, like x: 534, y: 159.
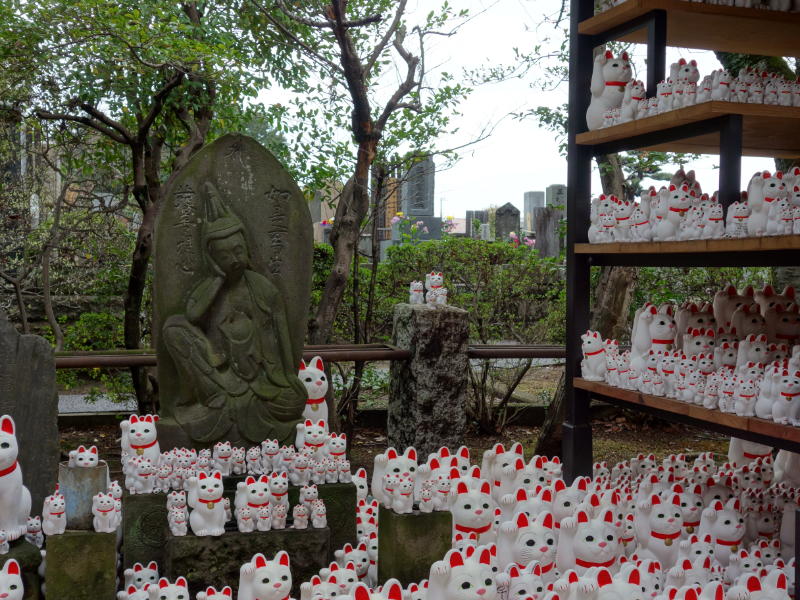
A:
x: 11, y: 587
x: 345, y: 476
x: 4, y: 547
x: 177, y: 521
x: 205, y: 498
x: 221, y: 458
x: 33, y: 532
x: 132, y: 593
x: 312, y: 374
x: 299, y: 473
x: 252, y: 492
x: 83, y: 458
x: 270, y: 456
x: 522, y: 540
x: 238, y: 461
x: 287, y: 456
x: 53, y: 520
x: 211, y: 593
x: 403, y: 496
x: 103, y: 511
x: 140, y: 576
x: 263, y: 579
x: 433, y: 280
x: 415, y: 293
x: 362, y: 485
x: 430, y: 299
x: 279, y: 516
x: 319, y: 518
x: 278, y: 488
x: 472, y: 509
x: 336, y: 447
x: 253, y: 461
x: 264, y: 522
x: 454, y: 577
x: 163, y: 479
x: 244, y: 520
x: 425, y: 500
x: 175, y: 500
x: 308, y: 494
x: 144, y: 478
x: 228, y: 512
x: 300, y: 514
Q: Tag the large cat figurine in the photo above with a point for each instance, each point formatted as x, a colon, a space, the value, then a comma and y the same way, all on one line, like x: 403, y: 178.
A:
x: 725, y: 524
x: 253, y: 493
x: 609, y: 78
x: 15, y: 499
x: 312, y: 374
x: 523, y: 541
x: 139, y: 437
x: 658, y: 525
x: 473, y: 510
x: 454, y: 578
x: 169, y: 591
x: 205, y: 498
x: 404, y: 465
x: 139, y: 576
x: 11, y: 587
x: 262, y: 579
x: 585, y: 543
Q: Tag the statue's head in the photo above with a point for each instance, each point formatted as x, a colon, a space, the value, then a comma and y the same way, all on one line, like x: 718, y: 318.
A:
x: 224, y: 236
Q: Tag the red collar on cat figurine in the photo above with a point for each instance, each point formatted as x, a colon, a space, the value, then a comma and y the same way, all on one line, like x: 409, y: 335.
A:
x: 473, y: 529
x: 5, y: 472
x: 150, y: 445
x: 587, y: 564
x: 315, y: 400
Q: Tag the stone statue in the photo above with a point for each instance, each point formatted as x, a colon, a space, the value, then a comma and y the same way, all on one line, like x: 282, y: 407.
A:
x: 232, y: 347
x: 232, y: 286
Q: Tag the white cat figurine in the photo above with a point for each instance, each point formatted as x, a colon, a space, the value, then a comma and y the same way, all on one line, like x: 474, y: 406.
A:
x: 83, y: 457
x: 609, y: 79
x: 205, y: 498
x: 300, y: 513
x: 244, y: 520
x: 103, y: 511
x: 263, y: 579
x: 15, y: 499
x: 416, y: 293
x: 313, y: 377
x: 177, y: 520
x: 319, y: 515
x: 139, y: 437
x: 11, y: 587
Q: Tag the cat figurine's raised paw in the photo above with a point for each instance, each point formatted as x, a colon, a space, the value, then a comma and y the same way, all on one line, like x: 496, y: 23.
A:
x: 262, y: 579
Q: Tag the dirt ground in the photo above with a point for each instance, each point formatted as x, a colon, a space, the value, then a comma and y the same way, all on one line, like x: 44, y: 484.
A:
x: 615, y: 439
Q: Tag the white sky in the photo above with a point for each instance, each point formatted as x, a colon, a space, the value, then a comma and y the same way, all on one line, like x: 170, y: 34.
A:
x: 519, y: 156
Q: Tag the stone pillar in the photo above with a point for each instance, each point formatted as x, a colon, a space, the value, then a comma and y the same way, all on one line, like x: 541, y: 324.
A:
x: 427, y: 392
x: 81, y: 565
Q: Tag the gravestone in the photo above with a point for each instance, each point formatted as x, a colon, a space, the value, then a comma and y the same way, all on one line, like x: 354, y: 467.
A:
x: 427, y: 393
x: 28, y: 393
x: 506, y: 222
x: 557, y: 196
x: 418, y: 188
x: 482, y: 216
x: 532, y: 200
x: 548, y: 240
x: 485, y: 232
x: 232, y: 286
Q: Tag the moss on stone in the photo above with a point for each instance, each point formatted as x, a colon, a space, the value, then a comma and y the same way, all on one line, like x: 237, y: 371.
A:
x: 81, y: 565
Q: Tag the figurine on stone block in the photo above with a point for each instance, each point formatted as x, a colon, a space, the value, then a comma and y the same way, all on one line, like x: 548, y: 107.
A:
x: 416, y: 293
x: 311, y: 437
x: 205, y: 500
x: 319, y: 515
x: 53, y: 520
x: 34, y: 532
x: 139, y: 437
x: 244, y: 520
x: 312, y: 374
x: 262, y: 579
x: 388, y: 462
x: 177, y: 521
x: 300, y: 514
x: 104, y: 516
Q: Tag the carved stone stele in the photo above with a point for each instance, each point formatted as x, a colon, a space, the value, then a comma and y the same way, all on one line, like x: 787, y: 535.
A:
x: 231, y: 294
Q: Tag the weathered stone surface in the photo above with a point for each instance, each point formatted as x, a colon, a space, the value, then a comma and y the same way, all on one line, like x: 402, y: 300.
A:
x: 216, y: 561
x: 418, y: 189
x: 79, y: 486
x: 145, y: 529
x: 232, y: 286
x: 29, y: 558
x: 506, y: 222
x: 409, y: 544
x: 427, y: 393
x: 81, y: 565
x: 146, y: 532
x: 28, y: 393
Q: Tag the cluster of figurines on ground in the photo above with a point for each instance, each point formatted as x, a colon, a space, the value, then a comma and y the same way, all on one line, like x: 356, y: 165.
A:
x: 618, y: 98
x: 640, y: 530
x: 436, y: 294
x: 749, y: 366
x: 681, y: 211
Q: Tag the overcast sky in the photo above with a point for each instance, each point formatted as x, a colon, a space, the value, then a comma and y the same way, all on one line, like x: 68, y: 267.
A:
x: 520, y: 156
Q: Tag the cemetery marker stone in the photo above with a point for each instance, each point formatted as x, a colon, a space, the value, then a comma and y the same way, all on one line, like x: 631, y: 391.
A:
x: 232, y: 288
x: 506, y: 222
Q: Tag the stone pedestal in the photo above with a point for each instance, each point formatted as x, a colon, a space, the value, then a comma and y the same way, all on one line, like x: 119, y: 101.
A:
x: 81, y: 565
x: 29, y: 558
x: 409, y: 544
x: 144, y: 519
x: 79, y: 486
x: 427, y: 393
x: 216, y: 561
x: 28, y: 393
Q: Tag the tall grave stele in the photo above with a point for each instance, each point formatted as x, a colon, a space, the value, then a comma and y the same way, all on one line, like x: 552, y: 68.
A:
x: 232, y: 286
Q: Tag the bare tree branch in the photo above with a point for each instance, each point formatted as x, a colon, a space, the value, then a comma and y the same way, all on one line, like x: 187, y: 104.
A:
x: 327, y: 23
x: 378, y: 50
x: 107, y: 131
x: 159, y: 99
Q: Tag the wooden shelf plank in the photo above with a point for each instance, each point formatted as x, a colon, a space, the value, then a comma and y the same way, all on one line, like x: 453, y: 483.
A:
x: 756, y: 244
x: 708, y: 26
x: 770, y: 131
x: 702, y: 416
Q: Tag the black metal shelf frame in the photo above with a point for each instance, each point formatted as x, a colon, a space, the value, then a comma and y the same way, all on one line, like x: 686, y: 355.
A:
x: 577, y: 432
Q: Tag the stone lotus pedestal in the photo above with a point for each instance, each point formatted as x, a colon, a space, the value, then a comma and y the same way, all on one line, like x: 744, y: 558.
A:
x: 216, y: 561
x: 409, y: 544
x: 145, y: 528
x: 78, y: 485
x: 29, y: 558
x: 81, y: 565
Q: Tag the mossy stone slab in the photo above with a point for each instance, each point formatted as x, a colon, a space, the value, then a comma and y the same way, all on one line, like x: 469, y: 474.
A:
x: 81, y: 565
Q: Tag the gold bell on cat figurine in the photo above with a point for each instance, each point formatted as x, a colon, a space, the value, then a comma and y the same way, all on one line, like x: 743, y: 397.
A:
x: 734, y: 548
x: 668, y: 542
x: 315, y: 407
x: 690, y: 529
x: 139, y: 451
x: 210, y: 506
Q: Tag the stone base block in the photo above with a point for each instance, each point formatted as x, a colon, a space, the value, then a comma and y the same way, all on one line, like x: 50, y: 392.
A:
x: 409, y: 544
x: 81, y: 565
x: 216, y: 561
x: 29, y: 558
x: 144, y: 519
x: 79, y: 486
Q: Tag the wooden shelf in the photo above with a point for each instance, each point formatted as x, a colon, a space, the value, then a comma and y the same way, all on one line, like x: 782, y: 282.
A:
x: 754, y: 244
x: 781, y: 435
x: 708, y: 26
x: 771, y: 131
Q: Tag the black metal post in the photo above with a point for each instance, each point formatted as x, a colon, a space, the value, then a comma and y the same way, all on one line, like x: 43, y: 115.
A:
x: 656, y: 51
x: 730, y: 161
x: 576, y: 430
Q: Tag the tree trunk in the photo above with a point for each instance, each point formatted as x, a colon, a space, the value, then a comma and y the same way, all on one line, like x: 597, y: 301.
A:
x: 23, y: 314
x: 48, y: 302
x: 612, y: 303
